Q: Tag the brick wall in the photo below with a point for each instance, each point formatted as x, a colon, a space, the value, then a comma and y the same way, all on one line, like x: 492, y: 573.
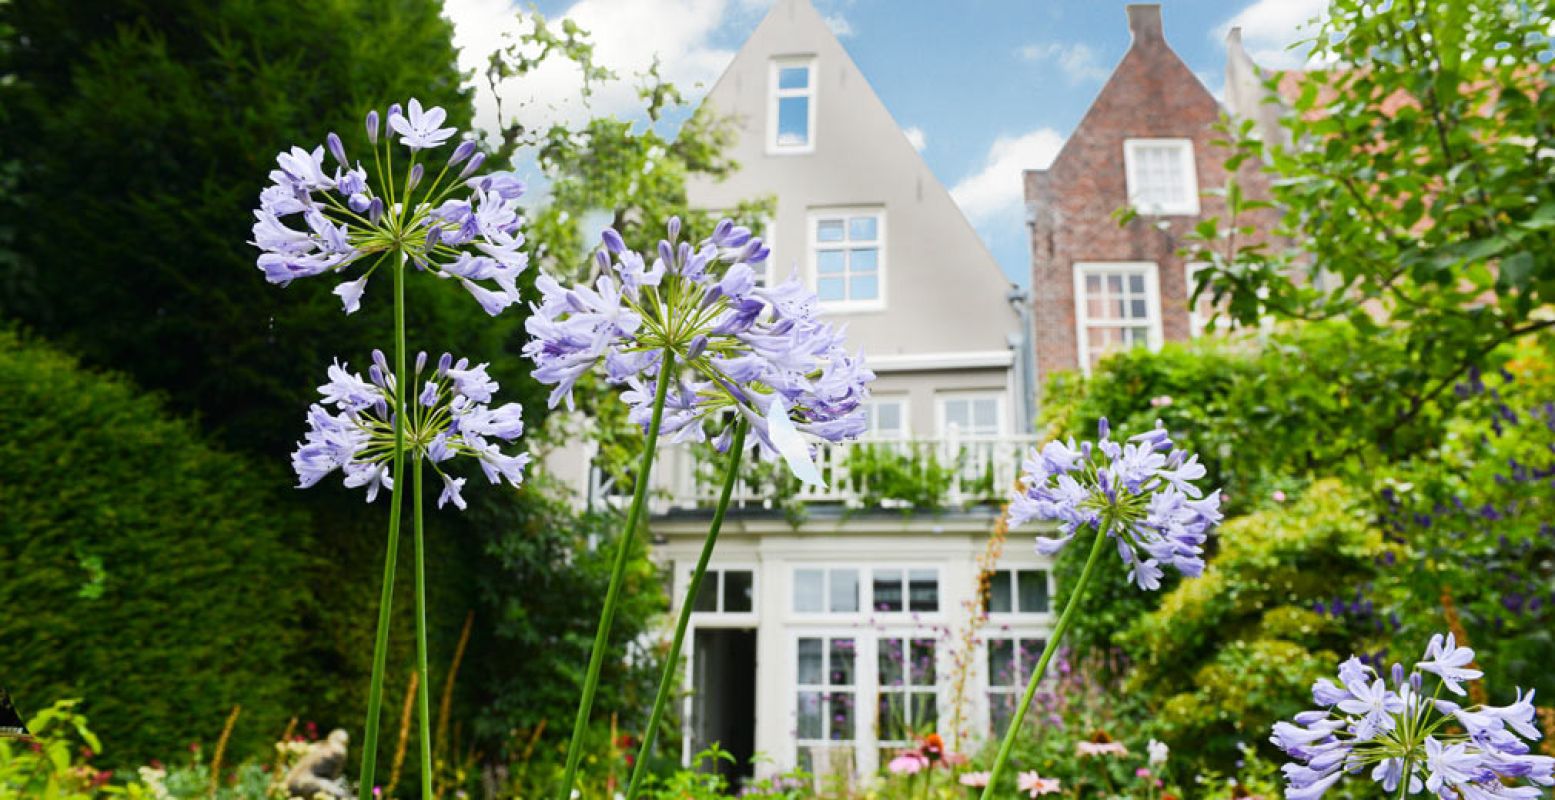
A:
x: 1151, y: 94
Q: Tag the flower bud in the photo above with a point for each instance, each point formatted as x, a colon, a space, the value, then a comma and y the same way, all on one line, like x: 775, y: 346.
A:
x: 421, y: 361
x: 465, y: 149
x: 612, y: 240
x: 375, y: 210
x: 694, y: 350
x: 415, y: 178
x: 434, y: 235
x: 380, y: 360
x: 444, y: 363
x: 395, y: 111
x: 336, y: 147
x: 359, y: 202
x: 1103, y: 429
x: 602, y: 259
x: 674, y: 228
x: 475, y: 164
x: 667, y: 255
x: 372, y: 126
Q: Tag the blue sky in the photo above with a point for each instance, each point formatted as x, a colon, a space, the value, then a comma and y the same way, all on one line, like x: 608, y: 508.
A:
x: 989, y: 87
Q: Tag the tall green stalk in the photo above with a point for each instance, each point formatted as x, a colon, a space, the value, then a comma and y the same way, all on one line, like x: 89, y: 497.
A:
x: 1047, y: 655
x: 668, y: 680
x: 392, y: 547
x: 424, y: 719
x: 617, y: 577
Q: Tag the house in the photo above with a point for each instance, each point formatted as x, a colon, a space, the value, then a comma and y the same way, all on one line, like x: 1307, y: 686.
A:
x: 827, y: 642
x: 1145, y: 143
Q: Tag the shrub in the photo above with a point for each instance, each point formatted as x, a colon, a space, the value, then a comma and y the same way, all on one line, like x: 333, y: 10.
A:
x: 140, y: 568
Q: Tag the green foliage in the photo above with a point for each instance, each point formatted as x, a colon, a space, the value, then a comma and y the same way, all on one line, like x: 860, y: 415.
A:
x: 140, y: 568
x: 57, y: 766
x: 1228, y: 654
x: 886, y: 476
x: 1417, y: 186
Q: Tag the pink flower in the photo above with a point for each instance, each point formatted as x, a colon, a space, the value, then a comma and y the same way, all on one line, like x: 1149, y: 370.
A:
x: 908, y: 763
x: 1142, y: 772
x: 974, y: 779
x: 1035, y: 785
x: 1161, y: 401
x: 1100, y: 749
x: 1279, y: 496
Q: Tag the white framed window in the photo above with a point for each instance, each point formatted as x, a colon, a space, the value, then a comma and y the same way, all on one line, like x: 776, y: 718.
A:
x: 907, y: 696
x: 1117, y: 305
x: 971, y: 414
x: 725, y: 591
x: 897, y: 590
x: 886, y: 418
x: 791, y: 106
x: 821, y: 590
x: 1019, y: 591
x: 1010, y: 663
x: 825, y: 694
x: 1201, y: 311
x: 1162, y: 178
x: 848, y: 258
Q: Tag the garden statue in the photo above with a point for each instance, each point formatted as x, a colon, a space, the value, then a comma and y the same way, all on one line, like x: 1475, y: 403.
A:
x: 318, y: 771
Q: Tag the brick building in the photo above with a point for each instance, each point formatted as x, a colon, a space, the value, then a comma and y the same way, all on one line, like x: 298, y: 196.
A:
x: 1145, y: 142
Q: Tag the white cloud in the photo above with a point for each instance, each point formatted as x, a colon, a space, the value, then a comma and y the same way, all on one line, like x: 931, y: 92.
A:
x: 627, y: 35
x: 995, y: 192
x: 840, y: 27
x: 1076, y: 60
x: 1270, y: 27
x: 916, y: 137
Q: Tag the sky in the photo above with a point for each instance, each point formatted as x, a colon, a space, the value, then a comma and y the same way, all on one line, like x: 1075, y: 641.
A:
x: 983, y: 88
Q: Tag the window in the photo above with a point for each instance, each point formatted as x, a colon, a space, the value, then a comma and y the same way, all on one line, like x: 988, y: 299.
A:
x: 908, y: 702
x: 825, y: 703
x: 1007, y: 676
x: 1201, y: 311
x: 826, y: 591
x: 1116, y: 306
x: 726, y: 591
x: 790, y: 113
x: 1024, y: 591
x: 886, y: 418
x: 847, y: 257
x: 897, y: 590
x: 1161, y: 176
x: 971, y: 415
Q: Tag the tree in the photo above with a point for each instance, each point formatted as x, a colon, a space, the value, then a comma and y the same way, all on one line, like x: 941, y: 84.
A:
x: 1415, y: 190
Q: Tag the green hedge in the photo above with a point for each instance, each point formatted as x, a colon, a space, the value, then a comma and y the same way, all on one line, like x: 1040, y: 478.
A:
x: 142, y: 570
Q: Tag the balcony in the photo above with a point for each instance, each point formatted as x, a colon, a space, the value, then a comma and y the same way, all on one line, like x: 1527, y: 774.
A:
x: 910, y: 475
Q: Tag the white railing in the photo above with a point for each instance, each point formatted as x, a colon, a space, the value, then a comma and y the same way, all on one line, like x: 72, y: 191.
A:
x: 928, y: 474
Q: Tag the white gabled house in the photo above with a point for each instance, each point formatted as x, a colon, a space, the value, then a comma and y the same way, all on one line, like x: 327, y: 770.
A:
x: 827, y: 643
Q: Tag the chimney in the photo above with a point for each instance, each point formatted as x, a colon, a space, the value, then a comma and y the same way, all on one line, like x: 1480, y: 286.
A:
x: 1144, y: 22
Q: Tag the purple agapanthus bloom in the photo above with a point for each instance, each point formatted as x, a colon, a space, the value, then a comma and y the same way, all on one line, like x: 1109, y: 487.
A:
x: 757, y: 352
x: 1398, y: 733
x: 450, y: 415
x: 323, y: 214
x: 1141, y: 491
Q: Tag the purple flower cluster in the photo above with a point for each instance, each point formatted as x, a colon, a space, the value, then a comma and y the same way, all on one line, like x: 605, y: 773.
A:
x: 1438, y: 746
x: 449, y: 416
x: 472, y: 238
x: 1141, y: 492
x: 753, y: 351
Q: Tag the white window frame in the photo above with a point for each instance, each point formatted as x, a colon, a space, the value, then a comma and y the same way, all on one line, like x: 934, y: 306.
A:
x: 1018, y: 681
x: 863, y: 687
x: 942, y: 424
x: 867, y: 591
x: 826, y: 570
x: 721, y: 618
x: 814, y: 246
x: 1082, y: 320
x: 774, y: 94
x: 1015, y: 613
x: 906, y: 636
x: 901, y: 399
x: 1188, y: 207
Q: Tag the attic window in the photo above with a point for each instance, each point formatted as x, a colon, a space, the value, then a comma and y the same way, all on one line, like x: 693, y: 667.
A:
x: 1162, y: 178
x: 791, y: 112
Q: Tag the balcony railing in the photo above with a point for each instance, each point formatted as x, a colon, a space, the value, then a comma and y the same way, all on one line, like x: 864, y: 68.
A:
x: 910, y: 474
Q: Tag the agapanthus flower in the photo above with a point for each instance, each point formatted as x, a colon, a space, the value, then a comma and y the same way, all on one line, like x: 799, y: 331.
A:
x: 324, y: 213
x: 449, y: 415
x: 1142, y: 492
x: 1389, y: 729
x: 741, y: 350
x: 1035, y: 785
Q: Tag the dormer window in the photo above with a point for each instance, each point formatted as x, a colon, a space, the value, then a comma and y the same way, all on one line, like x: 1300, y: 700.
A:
x: 791, y: 112
x: 1162, y: 178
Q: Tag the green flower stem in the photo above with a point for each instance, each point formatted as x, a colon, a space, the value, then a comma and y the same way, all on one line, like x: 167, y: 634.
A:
x: 617, y: 577
x: 392, y: 546
x: 667, y: 680
x: 424, y: 718
x: 1047, y: 655
x: 1403, y: 784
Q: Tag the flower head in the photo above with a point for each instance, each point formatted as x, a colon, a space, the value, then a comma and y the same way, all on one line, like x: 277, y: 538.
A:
x: 1143, y: 492
x: 741, y: 350
x: 976, y: 780
x: 316, y: 217
x: 352, y: 430
x: 1035, y: 785
x: 1158, y: 751
x: 910, y: 762
x: 1392, y: 728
